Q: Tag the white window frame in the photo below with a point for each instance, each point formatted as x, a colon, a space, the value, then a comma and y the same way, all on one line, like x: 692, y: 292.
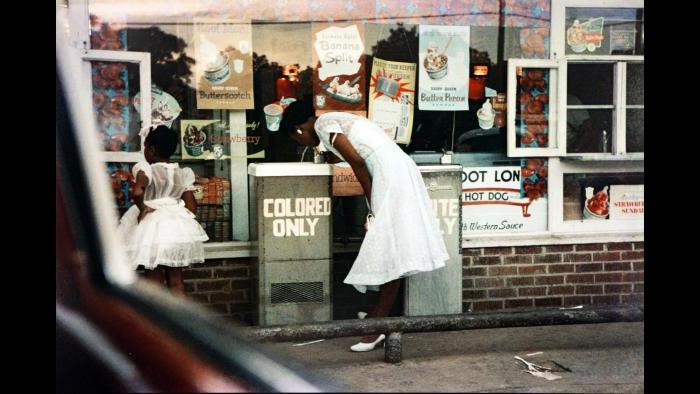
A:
x: 619, y: 106
x: 143, y: 59
x: 557, y: 112
x: 558, y: 168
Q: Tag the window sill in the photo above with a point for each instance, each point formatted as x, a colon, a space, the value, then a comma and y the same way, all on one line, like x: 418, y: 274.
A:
x: 605, y: 157
x: 242, y: 249
x: 548, y: 238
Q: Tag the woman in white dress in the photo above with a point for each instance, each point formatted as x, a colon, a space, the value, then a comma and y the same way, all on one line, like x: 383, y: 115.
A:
x: 403, y: 239
x: 160, y: 229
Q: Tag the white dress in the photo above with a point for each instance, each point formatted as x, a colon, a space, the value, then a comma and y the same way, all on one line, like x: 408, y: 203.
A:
x: 403, y: 239
x: 170, y: 235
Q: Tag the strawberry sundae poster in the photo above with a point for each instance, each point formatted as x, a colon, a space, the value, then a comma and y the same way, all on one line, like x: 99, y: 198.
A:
x: 391, y: 98
x: 339, y: 81
x: 505, y: 199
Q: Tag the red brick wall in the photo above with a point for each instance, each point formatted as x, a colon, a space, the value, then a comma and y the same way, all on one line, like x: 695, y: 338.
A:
x: 493, y: 279
x: 556, y: 275
x: 224, y: 286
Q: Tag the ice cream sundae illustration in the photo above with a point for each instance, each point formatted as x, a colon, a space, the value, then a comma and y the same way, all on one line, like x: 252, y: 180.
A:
x: 348, y: 91
x: 216, y: 63
x: 597, y: 205
x: 435, y: 63
x: 193, y: 140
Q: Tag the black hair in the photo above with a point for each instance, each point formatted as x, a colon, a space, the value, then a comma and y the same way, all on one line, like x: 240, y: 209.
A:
x: 295, y: 114
x: 163, y: 139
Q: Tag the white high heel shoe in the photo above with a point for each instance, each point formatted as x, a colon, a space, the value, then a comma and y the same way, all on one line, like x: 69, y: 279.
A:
x: 366, y: 347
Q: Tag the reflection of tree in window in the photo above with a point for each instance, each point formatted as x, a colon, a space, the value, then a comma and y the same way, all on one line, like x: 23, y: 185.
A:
x: 432, y: 130
x: 171, y: 68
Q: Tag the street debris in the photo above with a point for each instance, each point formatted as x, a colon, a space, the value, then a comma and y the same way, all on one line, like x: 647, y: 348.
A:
x: 309, y: 343
x: 538, y: 370
x: 573, y: 307
x: 534, y: 354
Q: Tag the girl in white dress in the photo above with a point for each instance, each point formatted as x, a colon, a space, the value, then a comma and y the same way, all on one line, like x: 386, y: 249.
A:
x: 160, y: 229
x: 403, y: 239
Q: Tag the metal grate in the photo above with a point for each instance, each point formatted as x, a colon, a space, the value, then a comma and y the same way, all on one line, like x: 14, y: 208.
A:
x: 296, y: 292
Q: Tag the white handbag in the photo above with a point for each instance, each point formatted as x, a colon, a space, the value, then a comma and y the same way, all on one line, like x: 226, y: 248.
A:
x: 370, y: 217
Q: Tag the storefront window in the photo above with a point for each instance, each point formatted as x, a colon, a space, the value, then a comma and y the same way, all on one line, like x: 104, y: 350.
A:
x: 603, y: 196
x: 218, y: 142
x: 604, y: 31
x: 115, y: 88
x: 590, y: 107
x: 635, y: 107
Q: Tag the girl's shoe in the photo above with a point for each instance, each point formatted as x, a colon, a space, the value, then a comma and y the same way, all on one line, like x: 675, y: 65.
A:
x: 366, y: 347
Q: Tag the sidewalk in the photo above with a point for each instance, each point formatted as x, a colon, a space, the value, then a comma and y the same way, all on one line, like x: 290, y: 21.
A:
x: 603, y: 358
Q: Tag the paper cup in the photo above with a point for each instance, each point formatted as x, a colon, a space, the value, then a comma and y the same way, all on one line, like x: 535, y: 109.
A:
x: 273, y: 116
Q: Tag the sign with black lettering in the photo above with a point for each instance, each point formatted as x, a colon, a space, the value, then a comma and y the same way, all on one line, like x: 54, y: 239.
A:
x: 502, y: 199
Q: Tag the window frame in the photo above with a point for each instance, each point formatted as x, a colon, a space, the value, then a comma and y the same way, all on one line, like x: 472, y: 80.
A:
x: 558, y: 168
x: 557, y: 113
x: 619, y: 106
x: 143, y: 60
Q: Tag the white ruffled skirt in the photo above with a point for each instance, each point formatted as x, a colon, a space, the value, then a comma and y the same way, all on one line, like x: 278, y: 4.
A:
x: 168, y: 236
x: 404, y: 238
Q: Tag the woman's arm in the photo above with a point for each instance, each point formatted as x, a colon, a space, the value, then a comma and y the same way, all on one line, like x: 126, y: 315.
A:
x: 190, y: 201
x: 331, y: 157
x: 359, y: 167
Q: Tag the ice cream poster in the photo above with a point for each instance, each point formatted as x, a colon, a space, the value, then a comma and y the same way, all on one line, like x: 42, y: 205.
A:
x: 626, y: 202
x: 585, y: 36
x: 204, y: 140
x: 224, y: 69
x: 339, y: 67
x: 443, y: 68
x: 391, y: 98
x: 498, y: 200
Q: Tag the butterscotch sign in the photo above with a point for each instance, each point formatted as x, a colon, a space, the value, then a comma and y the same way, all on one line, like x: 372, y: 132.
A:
x: 345, y: 182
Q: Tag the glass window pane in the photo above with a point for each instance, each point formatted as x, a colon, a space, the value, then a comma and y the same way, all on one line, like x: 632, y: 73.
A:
x: 532, y: 114
x: 114, y: 86
x: 589, y: 130
x: 604, y: 31
x: 590, y: 84
x: 588, y: 196
x: 635, y: 83
x: 635, y: 130
x: 122, y: 185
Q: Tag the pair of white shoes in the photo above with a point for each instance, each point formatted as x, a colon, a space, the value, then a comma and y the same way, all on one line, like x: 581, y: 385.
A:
x: 366, y: 347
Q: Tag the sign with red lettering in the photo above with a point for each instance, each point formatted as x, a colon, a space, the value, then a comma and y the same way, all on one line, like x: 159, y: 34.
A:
x: 626, y: 202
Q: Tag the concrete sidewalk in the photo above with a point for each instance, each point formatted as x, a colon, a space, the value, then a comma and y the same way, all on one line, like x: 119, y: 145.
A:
x: 603, y: 358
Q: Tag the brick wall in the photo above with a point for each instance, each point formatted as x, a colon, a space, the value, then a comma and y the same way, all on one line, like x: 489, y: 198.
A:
x: 493, y: 279
x: 224, y: 286
x: 556, y: 275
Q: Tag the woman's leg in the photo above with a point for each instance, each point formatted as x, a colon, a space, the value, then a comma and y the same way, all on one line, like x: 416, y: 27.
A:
x: 175, y: 282
x: 156, y: 275
x: 387, y: 298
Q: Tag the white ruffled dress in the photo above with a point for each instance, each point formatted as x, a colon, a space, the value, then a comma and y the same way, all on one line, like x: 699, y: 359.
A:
x: 170, y: 235
x: 404, y: 238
